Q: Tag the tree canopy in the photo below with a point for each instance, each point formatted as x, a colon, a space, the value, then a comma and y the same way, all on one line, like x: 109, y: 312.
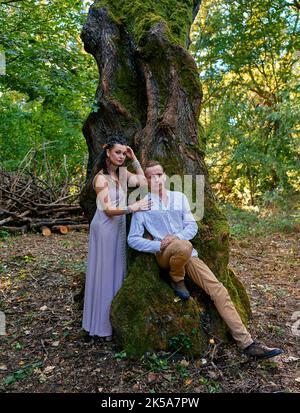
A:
x: 248, y: 56
x: 249, y: 63
x: 48, y: 86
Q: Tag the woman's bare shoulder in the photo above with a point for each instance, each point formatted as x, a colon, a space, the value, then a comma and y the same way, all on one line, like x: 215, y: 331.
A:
x: 100, y: 179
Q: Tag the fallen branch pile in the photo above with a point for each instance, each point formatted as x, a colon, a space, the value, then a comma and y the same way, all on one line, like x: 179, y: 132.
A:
x: 29, y: 203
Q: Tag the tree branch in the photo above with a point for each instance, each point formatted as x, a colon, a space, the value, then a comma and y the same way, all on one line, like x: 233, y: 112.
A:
x: 7, y: 2
x: 296, y: 4
x: 197, y: 4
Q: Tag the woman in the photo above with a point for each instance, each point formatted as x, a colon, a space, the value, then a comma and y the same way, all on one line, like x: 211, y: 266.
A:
x: 107, y: 238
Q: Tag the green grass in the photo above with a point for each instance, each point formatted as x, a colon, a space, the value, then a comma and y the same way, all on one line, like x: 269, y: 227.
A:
x: 263, y: 220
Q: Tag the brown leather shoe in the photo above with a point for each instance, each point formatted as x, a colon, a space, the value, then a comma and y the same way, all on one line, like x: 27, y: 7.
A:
x: 259, y: 351
x: 180, y: 289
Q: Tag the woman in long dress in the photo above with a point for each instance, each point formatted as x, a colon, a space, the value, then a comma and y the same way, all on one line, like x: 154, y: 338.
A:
x: 107, y: 238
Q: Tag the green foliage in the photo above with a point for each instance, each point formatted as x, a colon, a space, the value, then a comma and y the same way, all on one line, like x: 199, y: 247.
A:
x: 212, y: 386
x: 48, y: 87
x: 247, y: 53
x: 248, y: 58
x: 155, y: 363
x: 182, y: 370
x: 145, y: 308
x: 21, y: 374
x: 182, y: 341
x: 120, y: 355
x: 275, y: 215
x: 4, y: 234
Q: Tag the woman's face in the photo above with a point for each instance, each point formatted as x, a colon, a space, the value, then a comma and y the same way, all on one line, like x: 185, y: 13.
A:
x: 117, y: 154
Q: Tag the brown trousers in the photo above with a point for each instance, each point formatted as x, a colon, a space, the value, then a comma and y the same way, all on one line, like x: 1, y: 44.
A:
x: 176, y: 257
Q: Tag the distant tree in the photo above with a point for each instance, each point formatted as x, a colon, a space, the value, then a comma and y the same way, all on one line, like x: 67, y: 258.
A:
x: 44, y: 95
x: 248, y: 57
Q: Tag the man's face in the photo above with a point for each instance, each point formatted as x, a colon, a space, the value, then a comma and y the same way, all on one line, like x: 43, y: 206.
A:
x: 156, y: 178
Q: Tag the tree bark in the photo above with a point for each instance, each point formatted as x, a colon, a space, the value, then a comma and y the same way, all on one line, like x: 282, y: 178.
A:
x: 149, y: 90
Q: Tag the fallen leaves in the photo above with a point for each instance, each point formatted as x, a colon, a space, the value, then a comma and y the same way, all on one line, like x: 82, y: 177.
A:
x: 48, y: 369
x: 290, y: 359
x: 184, y: 363
x: 39, y: 332
x: 152, y: 377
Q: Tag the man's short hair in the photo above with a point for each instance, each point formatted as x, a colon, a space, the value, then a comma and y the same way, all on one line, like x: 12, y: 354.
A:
x: 151, y: 163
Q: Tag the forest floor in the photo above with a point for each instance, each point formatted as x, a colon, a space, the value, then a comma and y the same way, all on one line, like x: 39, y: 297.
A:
x: 45, y: 349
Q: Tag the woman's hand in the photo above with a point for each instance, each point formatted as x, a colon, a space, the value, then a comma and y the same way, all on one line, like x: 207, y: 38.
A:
x: 143, y: 205
x: 130, y: 154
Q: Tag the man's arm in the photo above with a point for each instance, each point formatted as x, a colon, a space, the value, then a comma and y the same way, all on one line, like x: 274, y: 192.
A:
x: 135, y: 237
x: 190, y: 227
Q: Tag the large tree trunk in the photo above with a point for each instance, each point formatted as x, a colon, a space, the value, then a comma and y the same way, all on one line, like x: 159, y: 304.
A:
x: 149, y: 90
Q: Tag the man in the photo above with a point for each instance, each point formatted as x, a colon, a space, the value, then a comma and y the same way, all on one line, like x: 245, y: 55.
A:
x: 171, y: 225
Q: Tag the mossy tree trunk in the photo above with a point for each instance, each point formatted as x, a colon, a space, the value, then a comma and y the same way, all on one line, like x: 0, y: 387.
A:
x: 149, y: 90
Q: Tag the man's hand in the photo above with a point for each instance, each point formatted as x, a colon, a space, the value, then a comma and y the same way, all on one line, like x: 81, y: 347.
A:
x: 167, y: 240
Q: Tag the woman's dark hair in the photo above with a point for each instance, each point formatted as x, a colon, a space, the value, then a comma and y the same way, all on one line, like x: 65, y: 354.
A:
x: 100, y: 163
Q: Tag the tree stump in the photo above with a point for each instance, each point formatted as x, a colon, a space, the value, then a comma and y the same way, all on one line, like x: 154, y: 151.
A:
x: 45, y: 231
x: 61, y: 229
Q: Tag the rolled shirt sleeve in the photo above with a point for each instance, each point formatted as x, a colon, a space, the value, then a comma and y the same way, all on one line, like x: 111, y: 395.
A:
x: 135, y: 237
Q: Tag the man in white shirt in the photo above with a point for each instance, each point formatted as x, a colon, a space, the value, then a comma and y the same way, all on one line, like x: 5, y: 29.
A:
x: 171, y: 225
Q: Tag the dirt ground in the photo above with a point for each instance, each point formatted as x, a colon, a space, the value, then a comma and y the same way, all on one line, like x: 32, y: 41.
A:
x: 45, y: 349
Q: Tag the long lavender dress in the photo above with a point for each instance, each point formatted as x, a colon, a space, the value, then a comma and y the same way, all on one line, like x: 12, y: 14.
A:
x: 106, y: 266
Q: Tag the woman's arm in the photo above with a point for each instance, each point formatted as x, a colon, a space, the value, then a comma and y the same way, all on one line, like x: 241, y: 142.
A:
x: 103, y: 198
x: 137, y: 179
x: 104, y: 201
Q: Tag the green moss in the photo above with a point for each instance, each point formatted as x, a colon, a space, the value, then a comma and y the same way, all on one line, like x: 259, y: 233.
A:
x: 171, y: 166
x: 136, y: 20
x: 141, y: 15
x: 145, y: 316
x: 125, y: 87
x: 156, y: 56
x: 239, y: 296
x: 201, y: 139
x: 241, y: 302
x: 188, y: 75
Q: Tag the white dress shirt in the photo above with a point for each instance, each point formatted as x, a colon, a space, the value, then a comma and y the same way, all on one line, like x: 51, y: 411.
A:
x: 175, y: 218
